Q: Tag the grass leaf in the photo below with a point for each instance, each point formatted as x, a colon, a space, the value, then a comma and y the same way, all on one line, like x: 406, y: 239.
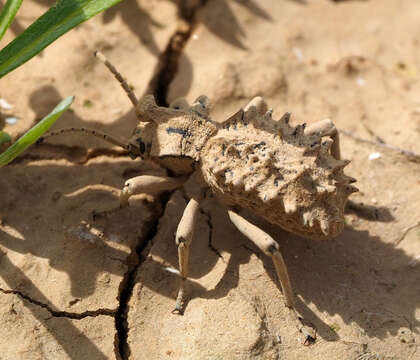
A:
x: 7, y: 14
x: 34, y: 133
x: 4, y: 137
x: 59, y: 19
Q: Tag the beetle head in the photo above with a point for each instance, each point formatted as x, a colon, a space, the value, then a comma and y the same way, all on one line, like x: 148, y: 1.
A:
x: 172, y: 135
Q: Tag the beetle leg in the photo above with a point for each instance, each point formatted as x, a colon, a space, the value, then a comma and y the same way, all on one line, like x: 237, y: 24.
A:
x: 147, y: 184
x: 326, y: 128
x: 269, y: 247
x: 259, y: 103
x: 184, y: 234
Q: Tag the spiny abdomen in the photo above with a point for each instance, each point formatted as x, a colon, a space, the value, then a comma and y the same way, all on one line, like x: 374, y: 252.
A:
x: 282, y: 175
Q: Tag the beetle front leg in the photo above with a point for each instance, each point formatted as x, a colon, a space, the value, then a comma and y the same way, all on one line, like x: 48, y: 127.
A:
x: 184, y: 235
x: 326, y: 128
x: 146, y: 184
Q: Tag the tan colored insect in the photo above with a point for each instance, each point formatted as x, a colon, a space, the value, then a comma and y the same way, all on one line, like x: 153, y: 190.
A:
x: 289, y: 176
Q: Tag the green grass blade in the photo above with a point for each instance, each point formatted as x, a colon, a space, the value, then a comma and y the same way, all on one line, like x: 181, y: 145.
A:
x: 59, y: 19
x: 34, y: 133
x: 4, y: 137
x: 7, y: 14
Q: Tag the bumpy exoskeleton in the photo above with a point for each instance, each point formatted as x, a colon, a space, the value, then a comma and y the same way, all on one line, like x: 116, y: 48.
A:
x: 291, y: 176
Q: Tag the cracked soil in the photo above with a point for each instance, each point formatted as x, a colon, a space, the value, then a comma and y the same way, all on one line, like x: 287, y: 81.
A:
x: 74, y: 287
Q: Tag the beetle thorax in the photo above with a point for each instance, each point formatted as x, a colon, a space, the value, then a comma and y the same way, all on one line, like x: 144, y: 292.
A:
x: 175, y: 142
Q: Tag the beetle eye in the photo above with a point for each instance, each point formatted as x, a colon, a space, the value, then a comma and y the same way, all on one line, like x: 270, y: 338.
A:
x: 179, y: 104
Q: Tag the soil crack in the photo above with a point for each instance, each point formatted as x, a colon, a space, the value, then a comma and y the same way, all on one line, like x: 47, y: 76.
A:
x: 66, y: 314
x: 167, y: 67
x: 134, y: 261
x: 159, y: 85
x: 210, y: 240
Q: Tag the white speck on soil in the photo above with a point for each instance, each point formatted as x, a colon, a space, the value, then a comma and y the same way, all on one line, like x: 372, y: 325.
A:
x: 361, y: 82
x: 5, y: 105
x: 374, y: 156
x: 298, y: 53
x: 11, y: 120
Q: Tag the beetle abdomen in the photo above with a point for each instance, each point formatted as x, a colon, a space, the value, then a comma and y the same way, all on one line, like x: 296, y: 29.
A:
x: 286, y: 177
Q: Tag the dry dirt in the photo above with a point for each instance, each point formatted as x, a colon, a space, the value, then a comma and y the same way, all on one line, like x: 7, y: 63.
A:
x: 76, y: 288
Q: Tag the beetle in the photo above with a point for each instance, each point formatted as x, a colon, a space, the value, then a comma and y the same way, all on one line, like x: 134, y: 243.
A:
x: 291, y: 176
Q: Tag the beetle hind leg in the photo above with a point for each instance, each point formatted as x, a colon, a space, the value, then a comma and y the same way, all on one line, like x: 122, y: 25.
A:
x: 326, y: 128
x: 183, y: 239
x: 270, y: 247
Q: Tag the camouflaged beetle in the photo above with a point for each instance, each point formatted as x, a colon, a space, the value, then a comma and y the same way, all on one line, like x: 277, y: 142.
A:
x: 290, y: 176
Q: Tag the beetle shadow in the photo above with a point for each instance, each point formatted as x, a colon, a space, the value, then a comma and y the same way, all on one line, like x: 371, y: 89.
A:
x: 29, y: 229
x: 142, y: 24
x: 224, y: 25
x: 300, y: 2
x: 369, y: 212
x: 39, y: 220
x: 66, y: 332
x: 139, y: 21
x: 64, y: 197
x: 361, y: 278
x: 221, y: 21
x: 357, y: 276
x: 76, y: 146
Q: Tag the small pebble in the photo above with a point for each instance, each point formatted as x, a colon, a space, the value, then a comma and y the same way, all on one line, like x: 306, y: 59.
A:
x: 5, y: 105
x: 298, y: 53
x: 11, y: 120
x: 361, y: 82
x: 374, y: 156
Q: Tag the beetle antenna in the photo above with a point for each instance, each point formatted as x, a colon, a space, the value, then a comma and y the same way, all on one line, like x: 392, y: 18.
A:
x: 99, y: 134
x: 119, y: 77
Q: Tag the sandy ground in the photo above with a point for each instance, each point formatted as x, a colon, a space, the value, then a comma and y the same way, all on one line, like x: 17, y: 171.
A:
x: 72, y: 287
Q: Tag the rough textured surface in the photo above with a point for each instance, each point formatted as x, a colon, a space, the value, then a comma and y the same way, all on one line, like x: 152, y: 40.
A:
x: 174, y: 136
x: 250, y: 160
x: 51, y: 250
x: 132, y: 34
x: 49, y: 237
x: 32, y: 332
x: 355, y: 62
x: 214, y: 303
x: 278, y: 172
